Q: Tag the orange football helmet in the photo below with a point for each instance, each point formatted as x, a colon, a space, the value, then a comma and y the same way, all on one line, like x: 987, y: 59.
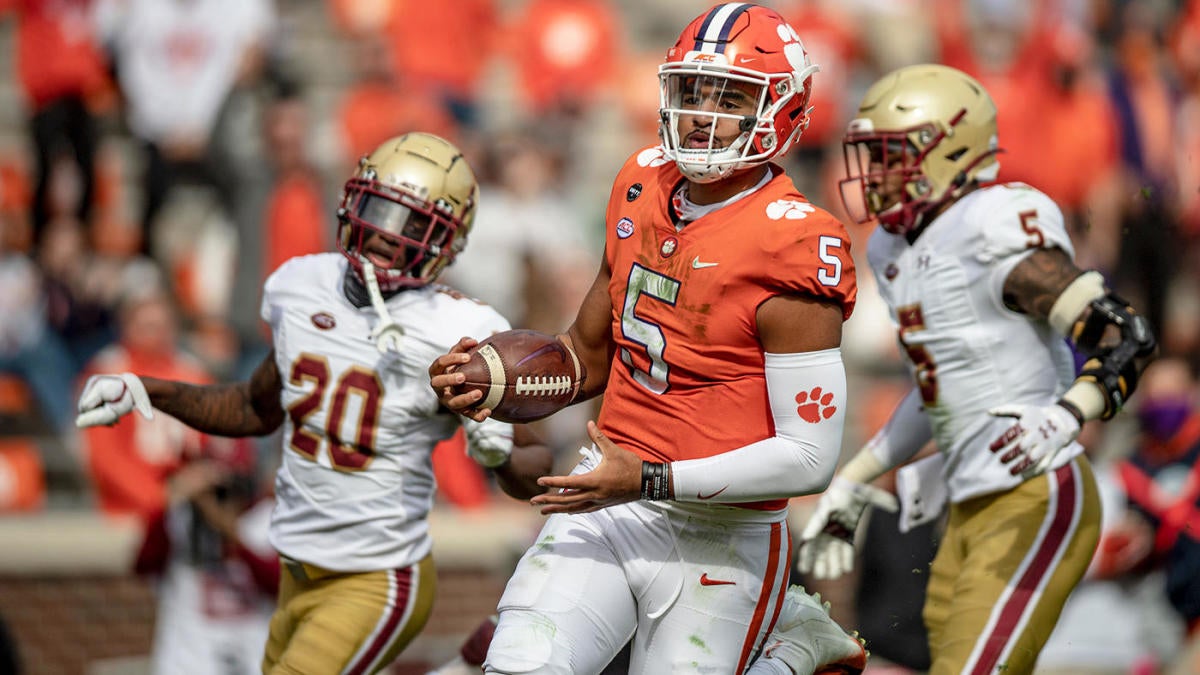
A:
x: 748, y: 51
x: 418, y: 192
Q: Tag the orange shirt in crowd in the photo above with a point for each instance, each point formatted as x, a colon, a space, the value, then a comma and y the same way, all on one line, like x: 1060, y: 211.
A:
x: 295, y: 220
x: 442, y: 46
x: 1019, y: 89
x: 56, y: 53
x: 129, y: 462
x: 1080, y: 130
x: 564, y: 50
x: 373, y: 112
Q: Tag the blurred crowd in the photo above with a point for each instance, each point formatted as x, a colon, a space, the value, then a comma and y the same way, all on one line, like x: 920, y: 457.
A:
x: 164, y: 156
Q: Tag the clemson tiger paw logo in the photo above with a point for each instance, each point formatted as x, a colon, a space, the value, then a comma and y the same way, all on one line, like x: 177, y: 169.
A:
x: 815, y: 405
x: 789, y: 209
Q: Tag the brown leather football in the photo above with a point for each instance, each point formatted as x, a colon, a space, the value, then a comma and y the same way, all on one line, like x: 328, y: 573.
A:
x: 524, y: 375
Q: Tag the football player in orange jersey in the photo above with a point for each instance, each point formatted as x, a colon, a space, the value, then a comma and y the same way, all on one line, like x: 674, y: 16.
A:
x: 353, y: 334
x: 979, y: 279
x: 713, y: 329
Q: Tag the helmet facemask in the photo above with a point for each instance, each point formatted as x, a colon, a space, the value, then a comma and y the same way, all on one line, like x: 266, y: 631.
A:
x: 886, y: 170
x: 924, y: 135
x: 419, y: 238
x: 703, y: 106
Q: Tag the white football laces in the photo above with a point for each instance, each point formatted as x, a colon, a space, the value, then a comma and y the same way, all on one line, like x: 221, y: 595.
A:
x: 387, y: 332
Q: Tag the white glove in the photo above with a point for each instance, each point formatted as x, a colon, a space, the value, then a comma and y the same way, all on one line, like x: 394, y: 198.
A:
x: 489, y: 443
x: 107, y: 398
x: 1030, y: 445
x: 827, y: 543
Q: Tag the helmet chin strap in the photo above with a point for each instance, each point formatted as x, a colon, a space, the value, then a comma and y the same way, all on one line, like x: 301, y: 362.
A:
x: 387, y: 332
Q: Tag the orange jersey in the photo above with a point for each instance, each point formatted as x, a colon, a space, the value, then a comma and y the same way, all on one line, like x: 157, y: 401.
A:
x: 687, y: 380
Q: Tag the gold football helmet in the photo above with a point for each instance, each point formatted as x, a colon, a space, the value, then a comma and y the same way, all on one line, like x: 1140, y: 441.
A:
x: 417, y: 192
x: 922, y: 135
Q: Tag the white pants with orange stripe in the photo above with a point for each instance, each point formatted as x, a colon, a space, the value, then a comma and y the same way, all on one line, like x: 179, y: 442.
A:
x: 697, y: 588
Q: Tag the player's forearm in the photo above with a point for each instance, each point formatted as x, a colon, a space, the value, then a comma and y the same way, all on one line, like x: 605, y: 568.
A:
x: 518, y: 477
x: 222, y: 409
x: 905, y: 433
x: 800, y: 459
x: 590, y: 336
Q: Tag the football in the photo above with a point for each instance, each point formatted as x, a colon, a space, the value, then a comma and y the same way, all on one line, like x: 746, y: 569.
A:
x: 524, y: 375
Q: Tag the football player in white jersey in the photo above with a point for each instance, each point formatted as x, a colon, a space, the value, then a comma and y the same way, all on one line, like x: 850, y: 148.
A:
x: 353, y: 335
x: 979, y: 279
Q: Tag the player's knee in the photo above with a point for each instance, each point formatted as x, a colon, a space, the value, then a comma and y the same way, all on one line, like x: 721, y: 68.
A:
x: 524, y: 646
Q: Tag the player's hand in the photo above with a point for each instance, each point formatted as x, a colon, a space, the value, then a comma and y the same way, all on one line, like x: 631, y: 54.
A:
x: 827, y: 542
x: 1030, y: 446
x: 616, y: 480
x: 443, y: 378
x: 107, y: 398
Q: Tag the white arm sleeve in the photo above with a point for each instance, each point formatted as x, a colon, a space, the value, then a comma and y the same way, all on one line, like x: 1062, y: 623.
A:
x: 906, y: 432
x: 807, y: 392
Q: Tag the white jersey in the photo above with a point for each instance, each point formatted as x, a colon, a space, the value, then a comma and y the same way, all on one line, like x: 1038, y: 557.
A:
x: 356, y: 481
x: 966, y: 350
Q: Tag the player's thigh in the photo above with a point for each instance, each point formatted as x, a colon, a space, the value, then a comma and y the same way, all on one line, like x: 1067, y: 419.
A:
x: 283, y: 621
x: 355, y: 622
x: 1023, y: 551
x: 568, y: 607
x: 710, y: 605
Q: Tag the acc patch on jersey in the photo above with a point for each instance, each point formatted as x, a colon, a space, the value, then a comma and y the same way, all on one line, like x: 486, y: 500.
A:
x: 624, y: 228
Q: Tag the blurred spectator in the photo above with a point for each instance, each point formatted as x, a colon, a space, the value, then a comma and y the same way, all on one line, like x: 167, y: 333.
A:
x: 177, y: 62
x: 295, y: 221
x: 217, y: 571
x: 443, y: 48
x: 1007, y: 47
x: 1145, y: 103
x: 1162, y: 482
x: 565, y: 52
x: 378, y: 104
x: 81, y: 290
x: 29, y: 347
x: 130, y: 461
x: 1182, y: 330
x: 528, y: 242
x: 63, y: 76
x: 833, y: 44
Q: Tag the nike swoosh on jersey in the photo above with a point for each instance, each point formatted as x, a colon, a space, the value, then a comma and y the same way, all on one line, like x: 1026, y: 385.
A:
x: 697, y: 265
x: 703, y: 497
x: 705, y: 581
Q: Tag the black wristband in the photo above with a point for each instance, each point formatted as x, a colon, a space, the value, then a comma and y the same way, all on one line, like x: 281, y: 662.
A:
x: 656, y: 481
